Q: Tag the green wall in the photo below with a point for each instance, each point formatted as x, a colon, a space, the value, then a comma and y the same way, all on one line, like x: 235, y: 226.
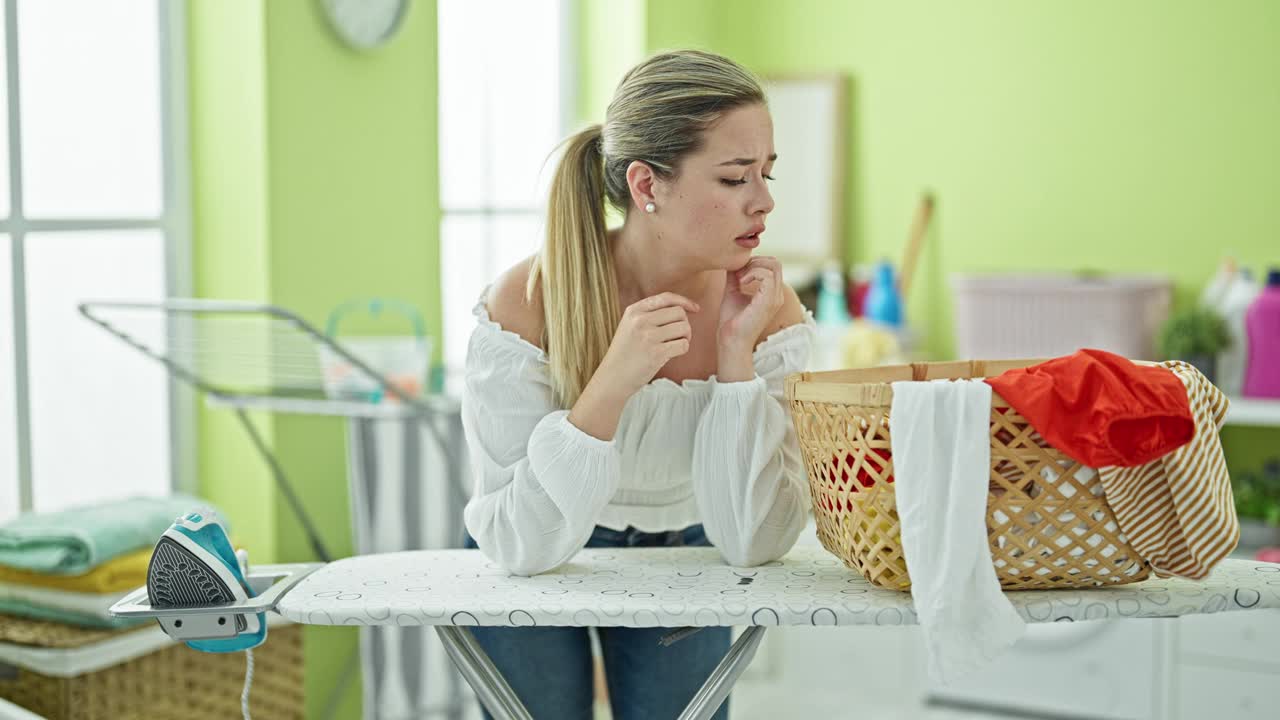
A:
x: 1132, y: 137
x: 314, y: 181
x: 1135, y: 137
x: 611, y: 38
x: 229, y: 208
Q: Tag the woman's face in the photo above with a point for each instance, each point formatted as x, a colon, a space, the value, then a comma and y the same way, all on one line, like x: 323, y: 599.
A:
x: 711, y: 215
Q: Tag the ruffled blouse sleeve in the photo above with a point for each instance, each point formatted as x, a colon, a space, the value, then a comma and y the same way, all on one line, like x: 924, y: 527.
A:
x: 540, y: 482
x: 748, y: 477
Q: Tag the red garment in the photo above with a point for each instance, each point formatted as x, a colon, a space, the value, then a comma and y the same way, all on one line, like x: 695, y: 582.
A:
x: 1100, y: 408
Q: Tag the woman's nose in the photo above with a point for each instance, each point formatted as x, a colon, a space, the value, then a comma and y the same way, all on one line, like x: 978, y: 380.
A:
x: 763, y: 201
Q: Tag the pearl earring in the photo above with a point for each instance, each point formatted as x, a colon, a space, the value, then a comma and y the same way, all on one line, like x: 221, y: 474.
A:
x: 650, y: 207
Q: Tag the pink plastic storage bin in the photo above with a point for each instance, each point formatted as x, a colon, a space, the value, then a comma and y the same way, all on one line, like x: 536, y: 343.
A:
x: 1047, y: 315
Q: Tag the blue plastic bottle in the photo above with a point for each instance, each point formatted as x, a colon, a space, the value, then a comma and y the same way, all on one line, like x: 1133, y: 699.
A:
x: 883, y: 305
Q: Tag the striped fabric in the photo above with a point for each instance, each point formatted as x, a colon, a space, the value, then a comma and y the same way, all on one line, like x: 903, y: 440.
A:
x: 1178, y: 511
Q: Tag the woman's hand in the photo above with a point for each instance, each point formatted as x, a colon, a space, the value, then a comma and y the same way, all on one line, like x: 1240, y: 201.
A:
x: 753, y: 294
x: 652, y: 331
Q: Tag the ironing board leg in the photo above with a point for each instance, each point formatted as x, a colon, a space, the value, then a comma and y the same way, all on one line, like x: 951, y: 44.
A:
x: 491, y: 688
x: 501, y: 702
x: 721, y: 681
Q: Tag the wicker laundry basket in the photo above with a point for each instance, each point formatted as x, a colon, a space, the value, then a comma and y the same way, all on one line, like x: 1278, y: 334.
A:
x: 1047, y: 520
x: 174, y: 682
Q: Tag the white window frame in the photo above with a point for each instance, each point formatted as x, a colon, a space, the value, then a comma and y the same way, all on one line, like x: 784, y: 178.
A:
x: 570, y: 77
x: 174, y: 222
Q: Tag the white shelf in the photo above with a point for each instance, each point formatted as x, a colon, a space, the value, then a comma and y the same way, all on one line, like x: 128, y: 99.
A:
x: 1253, y: 411
x: 439, y: 404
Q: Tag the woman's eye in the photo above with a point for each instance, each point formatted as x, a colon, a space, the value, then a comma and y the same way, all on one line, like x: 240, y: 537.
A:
x: 743, y: 181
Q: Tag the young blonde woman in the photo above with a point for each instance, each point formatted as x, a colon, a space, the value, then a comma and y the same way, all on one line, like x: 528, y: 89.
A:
x: 624, y: 387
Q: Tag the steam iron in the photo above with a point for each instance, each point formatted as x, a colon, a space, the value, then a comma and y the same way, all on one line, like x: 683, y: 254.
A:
x: 193, y: 565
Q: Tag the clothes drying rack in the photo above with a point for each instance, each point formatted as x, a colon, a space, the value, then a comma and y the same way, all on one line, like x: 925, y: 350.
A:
x: 248, y: 356
x: 242, y: 354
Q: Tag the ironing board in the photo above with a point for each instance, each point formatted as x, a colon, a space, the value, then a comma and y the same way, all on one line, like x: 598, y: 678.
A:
x: 683, y: 588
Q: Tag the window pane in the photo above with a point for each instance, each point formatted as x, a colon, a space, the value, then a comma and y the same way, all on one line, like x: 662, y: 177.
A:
x: 90, y: 108
x: 99, y: 409
x: 474, y: 251
x: 464, y: 271
x: 8, y: 395
x: 499, y: 101
x: 4, y: 119
x: 515, y: 238
x: 464, y: 119
x: 524, y: 94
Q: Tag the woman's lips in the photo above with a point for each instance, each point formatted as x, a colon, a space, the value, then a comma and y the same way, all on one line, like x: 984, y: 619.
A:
x: 749, y: 241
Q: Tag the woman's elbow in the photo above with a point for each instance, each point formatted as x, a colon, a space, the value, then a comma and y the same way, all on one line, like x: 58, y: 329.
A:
x: 524, y: 564
x: 768, y: 544
x: 515, y: 555
x: 757, y: 549
x: 750, y: 556
x: 514, y: 546
x: 528, y: 568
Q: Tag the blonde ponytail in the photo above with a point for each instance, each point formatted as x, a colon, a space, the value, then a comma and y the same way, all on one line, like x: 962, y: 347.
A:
x: 579, y: 286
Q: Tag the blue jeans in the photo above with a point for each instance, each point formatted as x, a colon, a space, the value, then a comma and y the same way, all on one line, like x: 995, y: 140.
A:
x: 550, y: 668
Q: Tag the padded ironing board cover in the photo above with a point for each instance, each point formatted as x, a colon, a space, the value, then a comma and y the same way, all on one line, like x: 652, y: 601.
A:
x: 675, y: 587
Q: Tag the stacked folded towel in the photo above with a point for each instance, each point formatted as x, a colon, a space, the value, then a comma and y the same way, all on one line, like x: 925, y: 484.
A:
x: 71, y: 566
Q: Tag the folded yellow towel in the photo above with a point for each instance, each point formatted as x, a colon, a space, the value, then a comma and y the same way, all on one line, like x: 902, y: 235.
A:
x: 126, y: 572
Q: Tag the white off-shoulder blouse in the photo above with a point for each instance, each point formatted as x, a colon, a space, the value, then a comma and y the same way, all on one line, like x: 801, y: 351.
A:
x: 701, y: 451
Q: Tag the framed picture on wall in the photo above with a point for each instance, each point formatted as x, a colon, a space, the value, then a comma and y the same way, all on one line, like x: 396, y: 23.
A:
x: 806, y: 227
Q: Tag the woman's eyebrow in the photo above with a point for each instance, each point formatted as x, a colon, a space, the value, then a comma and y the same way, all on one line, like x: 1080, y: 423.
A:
x: 746, y: 161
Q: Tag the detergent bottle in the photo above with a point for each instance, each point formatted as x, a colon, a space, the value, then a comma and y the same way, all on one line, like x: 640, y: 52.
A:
x: 833, y: 307
x: 1233, y: 303
x: 1262, y: 322
x: 883, y: 304
x: 832, y: 318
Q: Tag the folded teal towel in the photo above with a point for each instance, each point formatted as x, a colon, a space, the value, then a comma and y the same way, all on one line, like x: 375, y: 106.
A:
x: 74, y: 541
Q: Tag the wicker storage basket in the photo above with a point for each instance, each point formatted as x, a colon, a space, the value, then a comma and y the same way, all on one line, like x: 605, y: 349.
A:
x: 1047, y: 520
x: 176, y: 682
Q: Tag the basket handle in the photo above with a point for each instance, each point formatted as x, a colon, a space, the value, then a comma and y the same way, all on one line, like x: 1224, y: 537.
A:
x: 919, y: 371
x: 375, y: 307
x: 791, y: 382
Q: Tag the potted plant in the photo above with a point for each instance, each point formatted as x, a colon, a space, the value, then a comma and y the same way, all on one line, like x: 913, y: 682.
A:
x: 1195, y: 335
x: 1257, y: 495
